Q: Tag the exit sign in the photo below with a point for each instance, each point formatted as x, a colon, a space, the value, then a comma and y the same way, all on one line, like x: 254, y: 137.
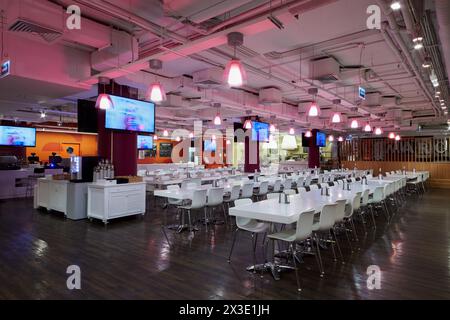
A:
x: 6, y: 69
x: 362, y: 93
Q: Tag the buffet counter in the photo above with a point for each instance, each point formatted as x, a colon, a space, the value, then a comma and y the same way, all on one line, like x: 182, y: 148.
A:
x: 293, y: 165
x: 108, y: 201
x: 17, y: 183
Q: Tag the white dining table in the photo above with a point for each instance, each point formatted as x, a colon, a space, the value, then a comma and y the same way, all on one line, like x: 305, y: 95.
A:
x: 273, y: 211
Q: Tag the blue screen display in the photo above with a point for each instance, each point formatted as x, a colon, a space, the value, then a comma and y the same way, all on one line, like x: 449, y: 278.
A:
x: 145, y: 142
x: 17, y: 136
x: 129, y: 114
x: 260, y: 131
x: 210, y: 145
x: 321, y: 139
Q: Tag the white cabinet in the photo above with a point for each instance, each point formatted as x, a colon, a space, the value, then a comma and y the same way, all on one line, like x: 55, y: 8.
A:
x: 52, y: 194
x: 107, y: 202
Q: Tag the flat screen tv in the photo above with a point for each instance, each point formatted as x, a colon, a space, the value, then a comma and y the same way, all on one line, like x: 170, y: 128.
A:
x: 260, y: 131
x: 209, y: 145
x: 144, y: 142
x: 321, y: 139
x: 131, y: 115
x: 17, y: 136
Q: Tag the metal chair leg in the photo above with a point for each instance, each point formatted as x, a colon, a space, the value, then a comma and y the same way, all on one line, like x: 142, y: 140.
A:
x: 319, y: 257
x: 338, y: 245
x: 295, y: 266
x: 232, y: 245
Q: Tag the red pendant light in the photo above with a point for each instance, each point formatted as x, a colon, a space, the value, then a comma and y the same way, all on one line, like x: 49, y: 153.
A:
x: 291, y: 131
x: 104, y: 102
x: 340, y: 139
x: 272, y: 128
x: 336, y: 118
x: 165, y: 133
x: 308, y: 134
x: 155, y: 137
x: 392, y: 135
x: 397, y: 137
x: 217, y: 120
x: 234, y: 73
x: 156, y: 94
x: 313, y: 110
x: 354, y: 124
x: 248, y: 124
x: 191, y: 135
x: 378, y: 131
x: 367, y: 128
x: 330, y: 138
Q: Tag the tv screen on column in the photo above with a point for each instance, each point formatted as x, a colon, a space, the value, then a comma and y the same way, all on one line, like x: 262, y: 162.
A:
x: 145, y: 142
x: 321, y: 139
x: 17, y: 136
x: 131, y: 115
x: 260, y: 131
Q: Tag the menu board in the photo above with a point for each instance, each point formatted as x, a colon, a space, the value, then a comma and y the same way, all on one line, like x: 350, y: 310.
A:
x: 165, y: 150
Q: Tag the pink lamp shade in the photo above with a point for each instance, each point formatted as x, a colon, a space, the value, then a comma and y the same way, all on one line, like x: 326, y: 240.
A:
x: 235, y: 74
x: 157, y: 93
x: 397, y: 137
x: 155, y: 137
x: 330, y: 138
x: 336, y: 118
x: 378, y: 131
x: 272, y: 128
x: 291, y: 131
x: 392, y: 135
x: 313, y: 110
x: 367, y: 128
x: 104, y: 102
x: 340, y: 139
x: 165, y: 133
x: 308, y: 134
x: 217, y: 120
x: 354, y: 124
x: 248, y: 124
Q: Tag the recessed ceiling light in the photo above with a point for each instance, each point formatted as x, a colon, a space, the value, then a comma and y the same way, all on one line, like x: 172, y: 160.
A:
x: 395, y: 5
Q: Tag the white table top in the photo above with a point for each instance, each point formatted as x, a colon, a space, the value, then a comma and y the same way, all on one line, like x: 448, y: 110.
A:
x: 273, y: 211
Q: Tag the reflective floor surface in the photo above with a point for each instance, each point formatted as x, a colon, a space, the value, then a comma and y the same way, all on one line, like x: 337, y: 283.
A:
x: 130, y: 259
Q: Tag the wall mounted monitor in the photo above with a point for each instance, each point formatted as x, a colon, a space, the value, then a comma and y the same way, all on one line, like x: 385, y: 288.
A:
x: 17, y: 136
x: 321, y: 139
x: 260, y: 131
x: 209, y: 146
x: 131, y: 115
x: 144, y: 142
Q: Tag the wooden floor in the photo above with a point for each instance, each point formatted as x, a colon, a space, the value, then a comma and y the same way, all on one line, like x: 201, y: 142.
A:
x: 130, y: 259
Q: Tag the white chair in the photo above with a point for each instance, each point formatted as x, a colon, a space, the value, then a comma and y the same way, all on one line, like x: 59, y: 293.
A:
x: 198, y: 202
x: 324, y: 185
x: 296, y: 236
x: 250, y: 225
x: 313, y: 187
x: 247, y: 190
x: 307, y: 181
x: 365, y: 206
x: 299, y: 182
x: 323, y: 227
x: 262, y: 190
x: 301, y: 190
x: 287, y: 184
x: 276, y: 186
x: 170, y: 201
x: 272, y: 196
x: 378, y: 200
x: 214, y: 199
x: 234, y: 195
